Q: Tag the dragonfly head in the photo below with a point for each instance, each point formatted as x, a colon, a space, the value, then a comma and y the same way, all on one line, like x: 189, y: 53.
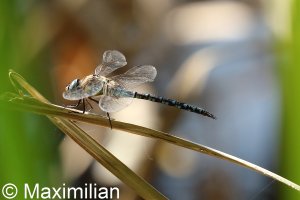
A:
x: 73, y: 85
x: 83, y: 88
x: 73, y: 91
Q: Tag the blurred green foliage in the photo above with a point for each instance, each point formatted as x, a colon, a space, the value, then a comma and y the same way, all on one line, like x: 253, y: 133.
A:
x: 291, y: 107
x: 27, y: 141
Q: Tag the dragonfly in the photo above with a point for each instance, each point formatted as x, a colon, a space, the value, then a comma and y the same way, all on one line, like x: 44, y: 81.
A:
x: 117, y: 92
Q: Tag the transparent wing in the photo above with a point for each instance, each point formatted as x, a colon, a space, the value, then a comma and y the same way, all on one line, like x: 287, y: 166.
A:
x: 136, y: 76
x: 113, y: 104
x: 111, y: 61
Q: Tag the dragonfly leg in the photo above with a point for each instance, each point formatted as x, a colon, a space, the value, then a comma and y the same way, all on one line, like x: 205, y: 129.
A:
x: 94, y: 100
x: 109, y: 120
x: 83, y: 103
x: 107, y: 114
x: 90, y: 105
x: 76, y: 105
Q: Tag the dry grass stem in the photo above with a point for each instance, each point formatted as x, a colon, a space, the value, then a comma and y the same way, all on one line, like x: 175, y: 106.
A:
x: 62, y: 117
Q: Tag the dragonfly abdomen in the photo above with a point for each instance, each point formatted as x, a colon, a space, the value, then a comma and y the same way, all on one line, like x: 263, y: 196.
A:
x: 172, y: 102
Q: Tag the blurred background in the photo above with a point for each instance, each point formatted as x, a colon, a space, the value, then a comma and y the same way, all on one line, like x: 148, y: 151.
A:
x: 238, y: 59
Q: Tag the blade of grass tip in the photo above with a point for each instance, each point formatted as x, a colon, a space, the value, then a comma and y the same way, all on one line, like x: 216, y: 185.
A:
x: 103, y: 156
x: 17, y: 78
x: 50, y: 109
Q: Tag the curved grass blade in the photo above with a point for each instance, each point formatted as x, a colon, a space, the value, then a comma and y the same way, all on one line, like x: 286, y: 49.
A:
x: 103, y: 156
x: 36, y: 106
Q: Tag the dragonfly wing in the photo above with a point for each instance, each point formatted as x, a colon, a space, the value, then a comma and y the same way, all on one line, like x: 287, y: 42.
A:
x: 113, y: 104
x: 111, y: 61
x: 136, y: 76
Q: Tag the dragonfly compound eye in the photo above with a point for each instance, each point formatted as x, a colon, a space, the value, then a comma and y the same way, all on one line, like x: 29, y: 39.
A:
x: 74, y: 84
